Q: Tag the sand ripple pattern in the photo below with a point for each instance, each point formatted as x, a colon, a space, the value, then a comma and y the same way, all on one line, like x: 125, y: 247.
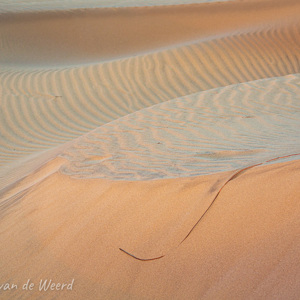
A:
x: 45, y: 108
x: 212, y: 131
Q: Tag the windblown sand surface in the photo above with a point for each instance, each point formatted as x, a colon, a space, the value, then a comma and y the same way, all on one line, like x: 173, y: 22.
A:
x: 150, y: 150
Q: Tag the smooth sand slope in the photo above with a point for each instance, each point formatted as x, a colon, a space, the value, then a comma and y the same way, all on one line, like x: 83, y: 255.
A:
x: 158, y: 161
x: 41, y: 5
x: 246, y: 246
x: 83, y: 36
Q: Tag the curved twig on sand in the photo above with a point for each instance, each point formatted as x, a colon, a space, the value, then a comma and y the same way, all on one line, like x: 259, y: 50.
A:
x: 236, y: 174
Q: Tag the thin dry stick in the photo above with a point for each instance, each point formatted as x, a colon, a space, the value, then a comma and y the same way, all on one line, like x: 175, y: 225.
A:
x: 143, y: 259
x: 213, y: 201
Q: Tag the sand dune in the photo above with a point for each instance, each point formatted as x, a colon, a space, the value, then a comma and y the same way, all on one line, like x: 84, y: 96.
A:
x: 218, y: 130
x: 42, y: 5
x: 83, y: 36
x: 150, y: 150
x: 45, y: 108
x: 247, y: 246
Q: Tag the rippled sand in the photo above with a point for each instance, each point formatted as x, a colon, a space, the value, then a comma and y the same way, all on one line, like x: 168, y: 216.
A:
x: 150, y: 150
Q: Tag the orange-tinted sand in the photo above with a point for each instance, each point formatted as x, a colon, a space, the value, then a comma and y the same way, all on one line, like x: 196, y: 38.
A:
x: 246, y: 246
x: 150, y: 151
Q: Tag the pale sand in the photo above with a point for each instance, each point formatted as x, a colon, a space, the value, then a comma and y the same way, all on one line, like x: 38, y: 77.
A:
x: 32, y: 5
x: 122, y: 124
x: 83, y: 36
x: 67, y: 102
x: 218, y: 130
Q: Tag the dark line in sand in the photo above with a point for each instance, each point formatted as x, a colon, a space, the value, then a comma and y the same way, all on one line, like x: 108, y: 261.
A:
x: 143, y: 259
x: 235, y: 175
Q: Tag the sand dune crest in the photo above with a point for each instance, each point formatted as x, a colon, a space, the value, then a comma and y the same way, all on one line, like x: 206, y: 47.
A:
x: 45, y: 108
x: 150, y: 149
